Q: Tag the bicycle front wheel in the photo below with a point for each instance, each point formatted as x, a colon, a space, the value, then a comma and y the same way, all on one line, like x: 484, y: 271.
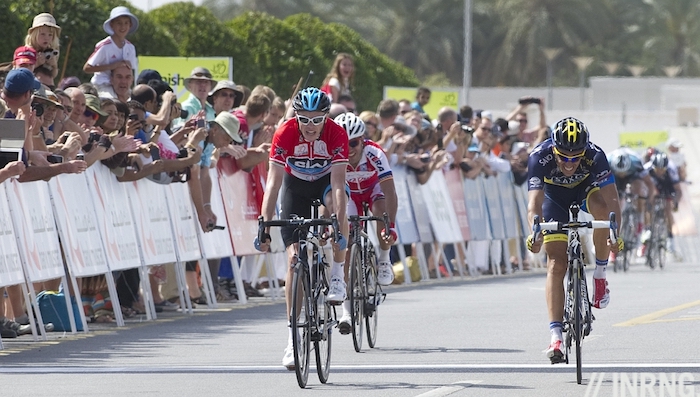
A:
x: 357, y: 296
x: 578, y: 323
x: 322, y: 338
x: 301, y: 324
x: 373, y: 296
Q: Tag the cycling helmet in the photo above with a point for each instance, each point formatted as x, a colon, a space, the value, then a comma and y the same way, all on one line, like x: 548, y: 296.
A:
x: 621, y: 163
x: 570, y: 134
x: 354, y: 126
x: 312, y: 99
x: 659, y: 160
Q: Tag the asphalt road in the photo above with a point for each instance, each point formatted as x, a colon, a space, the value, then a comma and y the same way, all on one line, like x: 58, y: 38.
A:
x: 482, y: 337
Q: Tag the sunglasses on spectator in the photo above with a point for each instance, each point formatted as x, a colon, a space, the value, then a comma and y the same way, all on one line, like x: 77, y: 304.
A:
x: 522, y: 120
x: 566, y: 158
x: 226, y: 95
x: 318, y: 120
x: 406, y: 111
x: 486, y: 128
x: 370, y: 123
x: 89, y: 113
x: 355, y: 142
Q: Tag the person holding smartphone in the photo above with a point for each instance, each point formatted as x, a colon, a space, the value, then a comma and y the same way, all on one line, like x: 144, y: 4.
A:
x: 519, y: 115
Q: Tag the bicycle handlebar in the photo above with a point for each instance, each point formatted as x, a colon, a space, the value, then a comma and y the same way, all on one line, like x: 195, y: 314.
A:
x: 299, y: 223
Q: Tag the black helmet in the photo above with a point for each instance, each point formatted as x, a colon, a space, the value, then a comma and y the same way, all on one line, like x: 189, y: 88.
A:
x: 570, y: 134
x: 312, y: 99
x: 659, y: 160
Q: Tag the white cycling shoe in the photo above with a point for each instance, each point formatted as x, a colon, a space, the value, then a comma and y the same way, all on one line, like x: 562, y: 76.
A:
x: 385, y: 273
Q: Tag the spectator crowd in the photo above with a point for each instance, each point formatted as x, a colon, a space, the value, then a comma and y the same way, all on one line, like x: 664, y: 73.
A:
x: 134, y: 125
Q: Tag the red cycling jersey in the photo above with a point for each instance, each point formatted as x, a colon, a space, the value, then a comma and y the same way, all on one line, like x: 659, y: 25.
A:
x: 372, y: 169
x: 309, y: 161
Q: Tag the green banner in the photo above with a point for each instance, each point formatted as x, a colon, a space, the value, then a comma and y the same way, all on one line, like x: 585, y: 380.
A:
x: 644, y: 139
x: 439, y: 98
x: 175, y: 70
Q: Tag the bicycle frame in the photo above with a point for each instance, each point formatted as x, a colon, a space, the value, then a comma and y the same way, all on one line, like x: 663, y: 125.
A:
x: 309, y: 288
x: 656, y: 249
x: 578, y: 318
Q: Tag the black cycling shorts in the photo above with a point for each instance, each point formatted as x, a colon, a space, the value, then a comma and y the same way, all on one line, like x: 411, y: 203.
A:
x: 297, y: 196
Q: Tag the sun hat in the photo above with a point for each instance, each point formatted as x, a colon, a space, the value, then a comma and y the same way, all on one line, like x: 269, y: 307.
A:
x: 44, y: 19
x: 21, y: 80
x: 517, y: 147
x: 200, y: 73
x: 227, y: 85
x: 47, y: 96
x: 230, y: 124
x: 24, y: 55
x: 117, y: 12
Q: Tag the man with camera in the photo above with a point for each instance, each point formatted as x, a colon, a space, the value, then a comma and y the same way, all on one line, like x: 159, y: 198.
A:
x: 519, y: 115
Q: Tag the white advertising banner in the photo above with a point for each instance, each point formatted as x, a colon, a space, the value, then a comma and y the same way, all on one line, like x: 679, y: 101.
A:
x: 217, y: 243
x: 113, y: 212
x: 185, y: 221
x: 442, y: 215
x: 36, y: 228
x: 405, y: 222
x: 78, y: 225
x: 11, y: 272
x: 419, y: 211
x: 153, y: 221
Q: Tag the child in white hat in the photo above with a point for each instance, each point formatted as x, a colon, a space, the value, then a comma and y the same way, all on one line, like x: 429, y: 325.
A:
x: 114, y: 51
x: 43, y: 37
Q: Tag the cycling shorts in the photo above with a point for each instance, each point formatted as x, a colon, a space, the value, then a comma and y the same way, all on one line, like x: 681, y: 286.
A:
x: 557, y: 200
x: 369, y: 196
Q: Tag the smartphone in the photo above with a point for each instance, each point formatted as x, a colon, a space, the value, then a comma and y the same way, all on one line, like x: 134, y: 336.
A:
x: 133, y: 116
x: 155, y: 153
x: 219, y: 227
x: 80, y: 156
x: 54, y: 159
x: 200, y: 123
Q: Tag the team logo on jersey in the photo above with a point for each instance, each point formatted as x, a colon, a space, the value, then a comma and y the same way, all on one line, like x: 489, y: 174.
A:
x: 301, y: 150
x: 546, y: 159
x: 535, y: 183
x: 310, y: 164
x: 320, y: 148
x: 359, y: 176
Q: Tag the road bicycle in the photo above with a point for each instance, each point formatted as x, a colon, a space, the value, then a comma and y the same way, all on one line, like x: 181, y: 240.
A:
x: 656, y: 244
x: 578, y: 318
x: 312, y: 317
x: 365, y: 294
x: 628, y: 231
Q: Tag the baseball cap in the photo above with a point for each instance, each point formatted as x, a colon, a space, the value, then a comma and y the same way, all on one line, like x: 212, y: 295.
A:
x: 21, y: 80
x: 24, y: 55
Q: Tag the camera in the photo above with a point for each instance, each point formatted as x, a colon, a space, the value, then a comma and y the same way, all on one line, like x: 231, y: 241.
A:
x: 184, y: 114
x: 466, y: 128
x: 38, y: 108
x: 529, y: 100
x: 54, y: 158
x: 93, y: 137
x: 80, y: 156
x: 200, y: 123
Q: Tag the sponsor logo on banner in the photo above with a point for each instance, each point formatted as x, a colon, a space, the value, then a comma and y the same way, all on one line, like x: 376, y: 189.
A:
x: 641, y: 384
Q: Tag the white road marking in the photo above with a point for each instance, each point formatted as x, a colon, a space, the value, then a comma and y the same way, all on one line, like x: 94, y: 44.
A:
x: 600, y: 367
x: 447, y: 390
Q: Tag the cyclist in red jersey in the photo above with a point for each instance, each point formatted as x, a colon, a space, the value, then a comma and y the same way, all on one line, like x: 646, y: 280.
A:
x: 308, y: 159
x: 370, y: 179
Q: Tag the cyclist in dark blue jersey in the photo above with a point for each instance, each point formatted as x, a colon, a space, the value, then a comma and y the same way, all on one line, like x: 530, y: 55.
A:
x: 564, y: 169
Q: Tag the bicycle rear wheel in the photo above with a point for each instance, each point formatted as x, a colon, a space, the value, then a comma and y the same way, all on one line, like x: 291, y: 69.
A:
x: 357, y: 296
x: 373, y: 296
x: 578, y: 323
x: 301, y: 324
x: 322, y: 338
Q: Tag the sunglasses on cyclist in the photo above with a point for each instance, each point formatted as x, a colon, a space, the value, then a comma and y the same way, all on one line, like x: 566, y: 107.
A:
x: 354, y: 142
x: 568, y: 159
x: 318, y: 120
